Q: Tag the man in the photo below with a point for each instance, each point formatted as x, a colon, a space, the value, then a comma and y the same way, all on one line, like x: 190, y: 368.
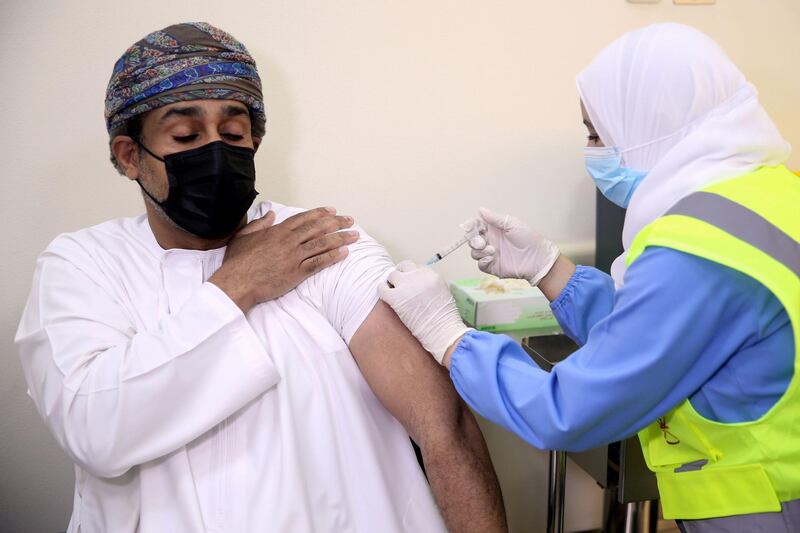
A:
x: 207, y: 375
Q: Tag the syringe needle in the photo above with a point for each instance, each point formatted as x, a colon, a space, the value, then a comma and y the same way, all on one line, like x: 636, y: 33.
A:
x: 449, y: 250
x: 471, y: 231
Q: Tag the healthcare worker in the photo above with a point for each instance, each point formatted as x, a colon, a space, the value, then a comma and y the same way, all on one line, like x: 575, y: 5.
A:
x: 693, y: 340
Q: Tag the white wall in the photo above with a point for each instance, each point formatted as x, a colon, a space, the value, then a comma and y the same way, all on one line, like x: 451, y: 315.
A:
x: 407, y: 115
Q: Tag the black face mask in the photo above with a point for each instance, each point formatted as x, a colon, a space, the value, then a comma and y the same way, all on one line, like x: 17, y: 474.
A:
x: 210, y: 188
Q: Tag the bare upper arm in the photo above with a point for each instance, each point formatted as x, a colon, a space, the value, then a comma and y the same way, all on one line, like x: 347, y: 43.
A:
x: 406, y: 378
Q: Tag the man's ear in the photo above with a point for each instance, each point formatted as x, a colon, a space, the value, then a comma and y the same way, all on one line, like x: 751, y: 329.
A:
x: 126, y: 152
x: 256, y: 143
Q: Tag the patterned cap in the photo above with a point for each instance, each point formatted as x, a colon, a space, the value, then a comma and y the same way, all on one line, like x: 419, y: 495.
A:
x: 191, y: 61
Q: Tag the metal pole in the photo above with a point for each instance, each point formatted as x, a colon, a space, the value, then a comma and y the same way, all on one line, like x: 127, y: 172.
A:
x: 555, y: 496
x: 632, y: 518
x: 641, y: 517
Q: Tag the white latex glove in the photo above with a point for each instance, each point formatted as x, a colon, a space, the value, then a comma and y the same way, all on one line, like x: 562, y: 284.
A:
x: 422, y: 300
x: 508, y: 248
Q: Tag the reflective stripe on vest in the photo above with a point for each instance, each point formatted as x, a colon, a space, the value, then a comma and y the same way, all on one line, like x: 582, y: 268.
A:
x: 743, y: 224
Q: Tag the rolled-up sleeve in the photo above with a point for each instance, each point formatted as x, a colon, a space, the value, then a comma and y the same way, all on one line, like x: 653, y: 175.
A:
x: 346, y: 292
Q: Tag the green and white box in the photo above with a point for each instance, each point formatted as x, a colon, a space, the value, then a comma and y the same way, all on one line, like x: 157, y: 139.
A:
x: 516, y: 309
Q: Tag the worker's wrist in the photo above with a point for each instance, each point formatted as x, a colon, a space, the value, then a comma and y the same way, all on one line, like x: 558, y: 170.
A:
x: 556, y: 278
x: 448, y: 353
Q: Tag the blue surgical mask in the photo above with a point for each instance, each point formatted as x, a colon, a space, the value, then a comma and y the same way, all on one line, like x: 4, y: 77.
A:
x: 617, y: 183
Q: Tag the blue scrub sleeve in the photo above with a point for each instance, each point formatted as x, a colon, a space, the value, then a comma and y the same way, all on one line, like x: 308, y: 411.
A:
x: 587, y: 298
x: 675, y: 322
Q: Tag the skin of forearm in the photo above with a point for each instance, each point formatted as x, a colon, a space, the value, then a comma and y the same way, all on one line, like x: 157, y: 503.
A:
x: 462, y: 477
x: 235, y: 288
x: 419, y: 394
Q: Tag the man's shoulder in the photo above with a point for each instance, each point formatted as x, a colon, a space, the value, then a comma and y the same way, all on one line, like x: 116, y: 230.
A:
x: 109, y: 237
x: 282, y: 212
x: 365, y: 254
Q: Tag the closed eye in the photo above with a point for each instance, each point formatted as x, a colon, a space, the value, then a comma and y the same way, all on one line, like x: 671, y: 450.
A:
x: 185, y: 138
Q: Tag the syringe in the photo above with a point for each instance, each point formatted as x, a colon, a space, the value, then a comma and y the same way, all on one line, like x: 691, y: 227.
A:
x: 435, y: 258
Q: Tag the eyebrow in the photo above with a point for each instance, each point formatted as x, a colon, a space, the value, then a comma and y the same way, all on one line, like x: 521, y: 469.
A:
x: 190, y: 111
x: 234, y: 111
x: 196, y: 111
x: 588, y: 124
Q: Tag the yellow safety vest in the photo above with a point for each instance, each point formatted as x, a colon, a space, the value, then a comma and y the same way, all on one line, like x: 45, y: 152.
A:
x: 709, y: 469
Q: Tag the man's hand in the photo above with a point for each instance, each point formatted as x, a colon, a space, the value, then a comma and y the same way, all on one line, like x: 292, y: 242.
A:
x: 264, y: 262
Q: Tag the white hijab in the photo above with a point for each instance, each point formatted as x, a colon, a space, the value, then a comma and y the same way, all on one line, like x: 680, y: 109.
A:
x: 670, y: 96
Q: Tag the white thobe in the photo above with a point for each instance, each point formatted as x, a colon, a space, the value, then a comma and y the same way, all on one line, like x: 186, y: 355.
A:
x: 184, y: 415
